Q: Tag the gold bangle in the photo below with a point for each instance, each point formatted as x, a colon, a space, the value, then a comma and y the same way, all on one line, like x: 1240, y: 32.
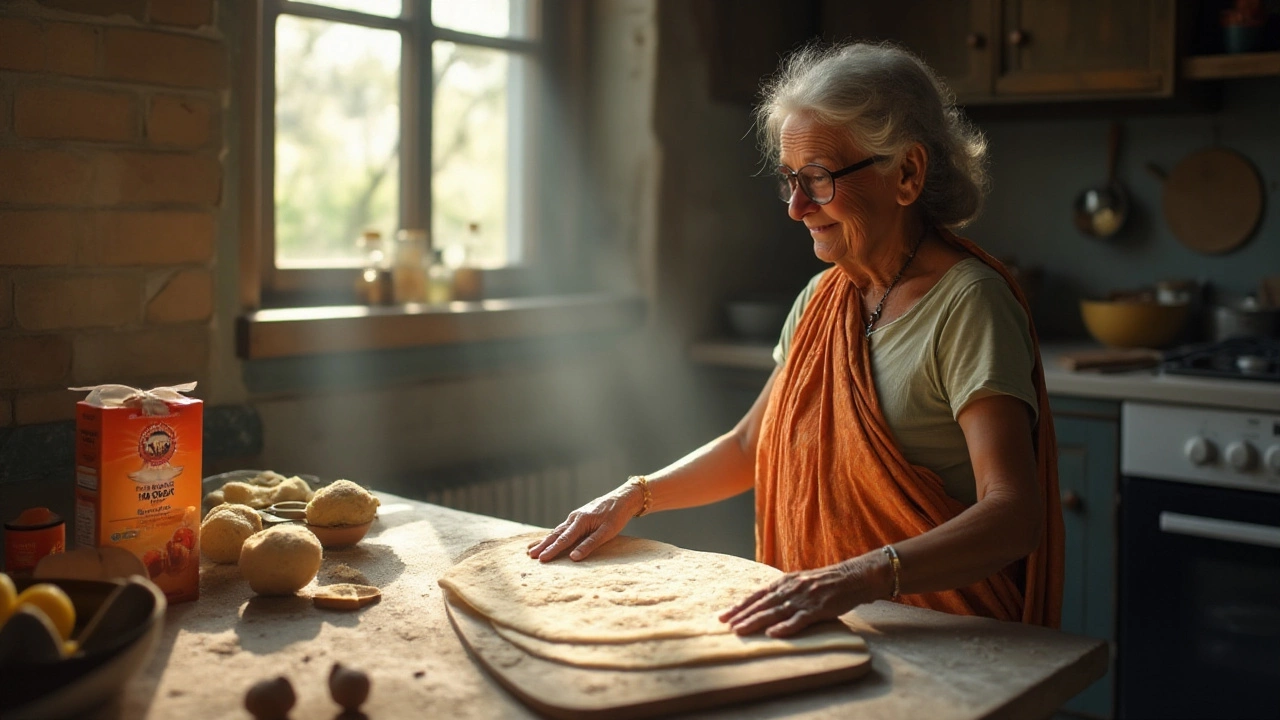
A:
x: 643, y: 482
x: 897, y: 568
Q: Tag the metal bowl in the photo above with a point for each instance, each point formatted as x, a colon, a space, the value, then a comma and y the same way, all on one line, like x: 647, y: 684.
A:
x: 215, y: 482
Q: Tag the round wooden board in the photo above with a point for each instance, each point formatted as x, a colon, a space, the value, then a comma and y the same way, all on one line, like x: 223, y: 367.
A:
x: 1213, y: 200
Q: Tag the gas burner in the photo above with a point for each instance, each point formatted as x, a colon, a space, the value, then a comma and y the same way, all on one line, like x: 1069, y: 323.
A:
x: 1241, y: 358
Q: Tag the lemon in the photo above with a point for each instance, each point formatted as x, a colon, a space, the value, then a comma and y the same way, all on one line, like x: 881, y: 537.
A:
x: 8, y: 597
x: 55, y: 604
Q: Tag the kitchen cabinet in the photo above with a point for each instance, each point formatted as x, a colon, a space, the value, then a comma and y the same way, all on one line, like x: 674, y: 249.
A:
x: 1088, y: 434
x: 745, y: 40
x: 1011, y: 51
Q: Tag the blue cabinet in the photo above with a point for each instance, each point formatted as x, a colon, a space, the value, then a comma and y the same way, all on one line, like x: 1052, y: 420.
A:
x: 1088, y: 477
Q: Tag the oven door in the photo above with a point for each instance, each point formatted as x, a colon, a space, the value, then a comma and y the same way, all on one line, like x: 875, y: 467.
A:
x: 1199, y: 620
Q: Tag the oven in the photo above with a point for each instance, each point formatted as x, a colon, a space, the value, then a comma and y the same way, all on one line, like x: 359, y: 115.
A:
x: 1199, y: 590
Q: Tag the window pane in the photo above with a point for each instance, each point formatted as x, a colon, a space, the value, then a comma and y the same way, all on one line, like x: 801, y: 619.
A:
x: 492, y: 18
x: 475, y: 158
x: 337, y: 139
x: 385, y: 8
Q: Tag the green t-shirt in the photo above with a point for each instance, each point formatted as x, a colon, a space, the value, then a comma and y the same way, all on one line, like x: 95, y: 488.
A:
x: 967, y: 338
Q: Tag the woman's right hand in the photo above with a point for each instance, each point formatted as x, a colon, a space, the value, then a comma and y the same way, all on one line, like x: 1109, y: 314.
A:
x: 591, y: 525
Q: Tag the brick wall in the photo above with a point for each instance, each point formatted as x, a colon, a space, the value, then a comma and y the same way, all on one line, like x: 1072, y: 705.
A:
x: 110, y: 184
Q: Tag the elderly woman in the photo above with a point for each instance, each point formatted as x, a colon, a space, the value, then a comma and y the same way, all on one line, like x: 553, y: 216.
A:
x: 902, y: 447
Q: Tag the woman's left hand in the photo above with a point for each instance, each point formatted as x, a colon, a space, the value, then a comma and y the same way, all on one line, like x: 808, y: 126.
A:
x: 799, y: 599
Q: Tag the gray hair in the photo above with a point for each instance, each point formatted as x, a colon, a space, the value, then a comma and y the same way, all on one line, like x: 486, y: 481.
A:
x: 888, y: 100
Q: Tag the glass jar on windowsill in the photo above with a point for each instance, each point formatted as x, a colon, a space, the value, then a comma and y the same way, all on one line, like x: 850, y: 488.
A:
x: 373, y: 283
x: 409, y: 267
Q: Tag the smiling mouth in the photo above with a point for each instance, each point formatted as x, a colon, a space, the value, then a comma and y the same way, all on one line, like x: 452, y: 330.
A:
x: 820, y: 228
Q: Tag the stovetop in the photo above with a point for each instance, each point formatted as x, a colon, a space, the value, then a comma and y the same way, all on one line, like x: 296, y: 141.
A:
x: 1234, y: 358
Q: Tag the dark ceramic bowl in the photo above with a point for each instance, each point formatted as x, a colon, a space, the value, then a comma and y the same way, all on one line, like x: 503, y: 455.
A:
x: 87, y: 679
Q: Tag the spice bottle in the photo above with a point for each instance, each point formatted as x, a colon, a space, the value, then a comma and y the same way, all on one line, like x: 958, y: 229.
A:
x: 36, y: 532
x: 467, y: 280
x: 373, y: 284
x: 439, y: 279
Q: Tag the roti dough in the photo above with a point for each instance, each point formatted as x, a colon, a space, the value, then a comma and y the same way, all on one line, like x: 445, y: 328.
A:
x: 628, y: 590
x: 677, y: 652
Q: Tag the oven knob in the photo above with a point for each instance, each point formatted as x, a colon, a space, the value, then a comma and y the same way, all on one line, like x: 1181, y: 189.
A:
x: 1241, y: 456
x: 1198, y: 450
x: 1272, y: 459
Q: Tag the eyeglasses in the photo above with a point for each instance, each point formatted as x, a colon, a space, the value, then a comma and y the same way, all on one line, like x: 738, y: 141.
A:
x: 817, y: 182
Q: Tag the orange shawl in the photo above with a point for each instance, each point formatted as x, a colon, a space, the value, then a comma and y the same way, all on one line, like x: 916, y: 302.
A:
x: 832, y: 484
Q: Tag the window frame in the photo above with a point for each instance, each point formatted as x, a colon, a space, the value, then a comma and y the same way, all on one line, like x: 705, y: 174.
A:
x: 304, y: 286
x: 557, y: 294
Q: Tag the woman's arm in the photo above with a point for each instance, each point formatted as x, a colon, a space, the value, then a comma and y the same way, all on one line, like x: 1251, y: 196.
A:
x: 722, y: 468
x: 1006, y: 522
x: 1003, y: 526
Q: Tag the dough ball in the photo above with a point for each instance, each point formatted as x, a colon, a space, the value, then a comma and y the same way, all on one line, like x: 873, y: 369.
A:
x: 268, y: 478
x: 243, y: 511
x: 280, y: 560
x: 294, y: 488
x: 224, y: 531
x: 214, y: 499
x: 342, y: 503
x: 241, y: 493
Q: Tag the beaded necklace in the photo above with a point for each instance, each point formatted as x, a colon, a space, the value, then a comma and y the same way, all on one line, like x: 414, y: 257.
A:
x: 875, y: 314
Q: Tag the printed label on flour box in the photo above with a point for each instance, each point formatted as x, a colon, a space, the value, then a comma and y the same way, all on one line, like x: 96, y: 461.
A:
x: 138, y: 470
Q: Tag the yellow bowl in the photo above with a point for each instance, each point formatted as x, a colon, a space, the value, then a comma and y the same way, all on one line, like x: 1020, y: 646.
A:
x: 1133, y: 323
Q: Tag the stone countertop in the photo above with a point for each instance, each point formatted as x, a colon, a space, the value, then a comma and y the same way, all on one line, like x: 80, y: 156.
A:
x: 1145, y: 385
x: 1151, y: 386
x: 925, y: 663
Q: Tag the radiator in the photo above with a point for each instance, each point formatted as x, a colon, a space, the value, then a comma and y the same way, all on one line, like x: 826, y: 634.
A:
x: 536, y: 493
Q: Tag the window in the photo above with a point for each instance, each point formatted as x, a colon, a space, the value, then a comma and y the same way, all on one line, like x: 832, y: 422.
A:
x: 395, y: 114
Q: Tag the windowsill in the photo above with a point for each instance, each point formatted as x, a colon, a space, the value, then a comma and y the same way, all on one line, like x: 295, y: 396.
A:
x: 294, y: 332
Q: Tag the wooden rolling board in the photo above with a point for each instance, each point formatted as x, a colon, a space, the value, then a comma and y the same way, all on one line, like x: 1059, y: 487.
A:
x: 1213, y: 200
x: 562, y: 691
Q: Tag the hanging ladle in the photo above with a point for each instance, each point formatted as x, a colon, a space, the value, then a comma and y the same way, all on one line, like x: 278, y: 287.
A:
x: 1101, y: 211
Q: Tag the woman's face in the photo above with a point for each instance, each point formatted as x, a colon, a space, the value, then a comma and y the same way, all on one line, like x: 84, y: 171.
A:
x: 864, y: 202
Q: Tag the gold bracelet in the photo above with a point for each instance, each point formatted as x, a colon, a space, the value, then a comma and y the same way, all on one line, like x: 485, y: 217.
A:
x: 643, y: 482
x: 897, y: 568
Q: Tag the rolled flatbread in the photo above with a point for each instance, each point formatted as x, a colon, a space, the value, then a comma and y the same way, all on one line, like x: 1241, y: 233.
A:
x: 632, y: 604
x: 680, y: 652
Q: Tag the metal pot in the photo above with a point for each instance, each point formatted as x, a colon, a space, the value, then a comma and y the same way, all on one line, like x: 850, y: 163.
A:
x: 1245, y: 319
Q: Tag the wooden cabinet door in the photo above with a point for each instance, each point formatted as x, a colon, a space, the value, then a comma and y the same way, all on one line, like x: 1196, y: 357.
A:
x: 1088, y: 478
x: 1087, y: 48
x: 953, y: 36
